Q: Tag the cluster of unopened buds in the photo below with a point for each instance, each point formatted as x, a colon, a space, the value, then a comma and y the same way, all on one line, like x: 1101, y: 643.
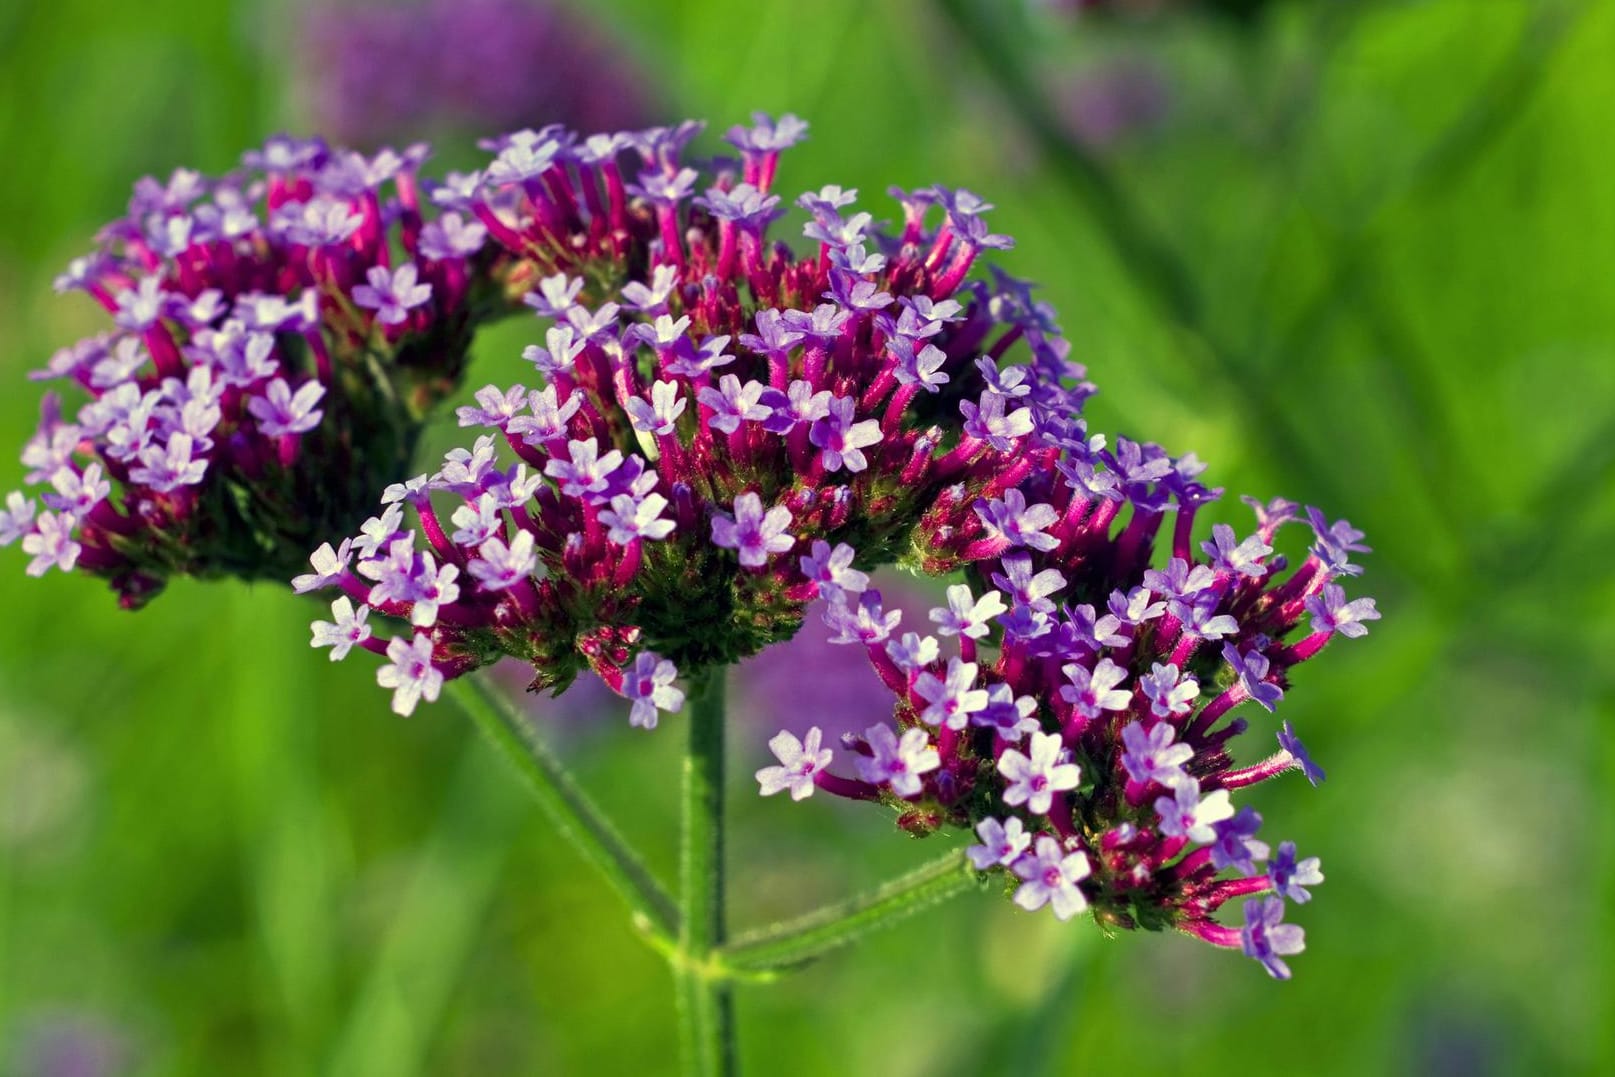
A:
x: 717, y: 431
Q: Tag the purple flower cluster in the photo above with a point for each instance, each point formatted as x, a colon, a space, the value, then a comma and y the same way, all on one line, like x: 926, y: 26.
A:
x: 1079, y: 718
x: 278, y: 334
x: 379, y: 71
x: 712, y: 424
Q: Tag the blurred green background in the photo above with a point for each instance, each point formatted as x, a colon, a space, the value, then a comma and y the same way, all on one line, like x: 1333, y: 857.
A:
x: 1361, y: 254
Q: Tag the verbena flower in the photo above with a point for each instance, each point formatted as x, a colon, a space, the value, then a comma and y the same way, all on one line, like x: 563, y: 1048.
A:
x: 278, y: 335
x: 1101, y: 774
x: 715, y: 429
x: 379, y: 71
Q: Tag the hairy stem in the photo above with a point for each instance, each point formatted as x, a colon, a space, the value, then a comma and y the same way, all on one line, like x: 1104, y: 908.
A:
x: 794, y: 942
x: 706, y: 1000
x: 569, y: 809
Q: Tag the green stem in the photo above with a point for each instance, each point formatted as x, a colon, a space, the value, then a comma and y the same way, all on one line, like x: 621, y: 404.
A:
x: 569, y: 809
x: 793, y: 942
x: 706, y: 1000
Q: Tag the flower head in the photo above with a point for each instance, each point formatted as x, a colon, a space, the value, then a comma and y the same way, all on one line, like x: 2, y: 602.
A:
x: 276, y: 337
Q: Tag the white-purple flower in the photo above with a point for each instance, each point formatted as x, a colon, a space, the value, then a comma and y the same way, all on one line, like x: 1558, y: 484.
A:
x: 649, y: 686
x: 843, y: 440
x: 1153, y: 757
x: 280, y: 411
x: 392, y: 294
x: 631, y: 518
x: 1002, y: 843
x: 1267, y: 938
x: 502, y: 566
x: 898, y: 763
x: 1020, y: 524
x: 1094, y: 691
x: 410, y: 673
x: 1236, y: 845
x: 951, y: 699
x: 832, y: 567
x: 1332, y: 613
x: 751, y: 532
x: 329, y: 566
x: 967, y: 615
x: 1035, y: 778
x: 17, y: 518
x: 347, y: 631
x: 1170, y: 693
x: 800, y: 761
x: 1050, y: 877
x: 51, y: 544
x: 1185, y: 814
x: 1290, y: 877
x: 657, y: 416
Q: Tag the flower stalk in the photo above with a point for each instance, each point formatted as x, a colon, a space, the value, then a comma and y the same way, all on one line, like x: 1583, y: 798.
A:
x: 567, y: 807
x: 705, y: 998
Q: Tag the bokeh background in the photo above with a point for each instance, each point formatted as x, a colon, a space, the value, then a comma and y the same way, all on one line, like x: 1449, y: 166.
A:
x: 1359, y: 253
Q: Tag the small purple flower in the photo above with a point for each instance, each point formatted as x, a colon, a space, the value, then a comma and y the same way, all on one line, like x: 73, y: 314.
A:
x: 452, y: 236
x: 1134, y: 607
x: 864, y: 622
x: 1267, y: 938
x: 1251, y: 667
x: 631, y: 518
x: 1292, y: 744
x: 751, y: 532
x: 800, y: 761
x: 1153, y: 757
x: 501, y: 567
x: 1236, y: 845
x: 410, y: 673
x: 914, y: 652
x: 587, y: 474
x: 649, y: 685
x: 1011, y: 716
x: 280, y: 411
x: 77, y: 493
x: 165, y: 467
x: 1335, y: 542
x: 1185, y: 815
x: 17, y: 518
x: 1092, y: 692
x: 1002, y: 843
x: 1019, y: 582
x: 953, y: 698
x: 1050, y: 877
x: 346, y: 632
x: 966, y: 615
x: 1291, y: 877
x: 767, y: 135
x: 829, y: 567
x: 329, y: 566
x: 1020, y: 524
x: 1332, y: 613
x: 1234, y: 557
x: 733, y: 403
x: 898, y: 763
x: 843, y: 440
x: 988, y: 422
x: 392, y: 294
x: 657, y: 416
x: 494, y: 408
x: 51, y: 544
x: 1035, y: 778
x: 1170, y: 694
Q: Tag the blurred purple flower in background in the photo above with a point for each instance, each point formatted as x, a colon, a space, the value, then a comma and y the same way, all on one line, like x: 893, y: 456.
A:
x: 67, y: 1043
x: 378, y: 71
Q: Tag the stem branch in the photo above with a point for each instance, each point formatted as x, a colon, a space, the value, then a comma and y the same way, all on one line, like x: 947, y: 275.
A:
x: 794, y: 942
x: 569, y: 809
